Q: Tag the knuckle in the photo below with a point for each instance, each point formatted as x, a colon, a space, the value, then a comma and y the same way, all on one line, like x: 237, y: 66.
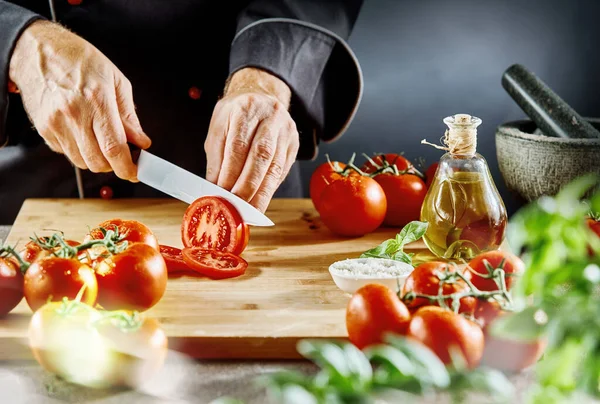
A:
x: 94, y: 93
x: 111, y: 148
x: 277, y: 169
x: 239, y: 144
x: 264, y: 150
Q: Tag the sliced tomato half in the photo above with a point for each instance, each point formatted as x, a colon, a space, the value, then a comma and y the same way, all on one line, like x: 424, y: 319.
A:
x: 213, y: 223
x: 214, y: 264
x: 173, y: 259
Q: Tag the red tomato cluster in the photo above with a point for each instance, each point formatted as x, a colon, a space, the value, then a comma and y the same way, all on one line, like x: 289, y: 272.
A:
x: 354, y: 201
x: 214, y: 235
x: 375, y: 310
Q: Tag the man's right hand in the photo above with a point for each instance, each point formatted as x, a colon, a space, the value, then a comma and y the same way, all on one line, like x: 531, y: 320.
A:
x: 77, y: 99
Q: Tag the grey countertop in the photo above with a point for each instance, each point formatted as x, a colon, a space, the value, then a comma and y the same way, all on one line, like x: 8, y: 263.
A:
x: 180, y: 380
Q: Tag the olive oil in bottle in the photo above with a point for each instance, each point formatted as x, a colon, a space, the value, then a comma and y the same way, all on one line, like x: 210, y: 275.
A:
x: 463, y: 208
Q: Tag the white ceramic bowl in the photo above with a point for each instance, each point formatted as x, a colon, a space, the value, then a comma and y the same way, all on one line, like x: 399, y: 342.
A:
x: 393, y: 275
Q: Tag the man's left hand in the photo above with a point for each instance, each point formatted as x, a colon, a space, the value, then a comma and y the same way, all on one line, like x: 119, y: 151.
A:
x: 252, y: 140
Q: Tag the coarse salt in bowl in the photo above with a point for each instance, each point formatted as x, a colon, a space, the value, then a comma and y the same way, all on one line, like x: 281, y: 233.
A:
x: 351, y: 274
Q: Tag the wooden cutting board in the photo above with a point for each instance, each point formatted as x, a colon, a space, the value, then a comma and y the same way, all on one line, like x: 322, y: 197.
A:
x: 287, y: 293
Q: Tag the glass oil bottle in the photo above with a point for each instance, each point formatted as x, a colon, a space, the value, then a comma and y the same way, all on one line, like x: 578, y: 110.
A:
x: 464, y: 211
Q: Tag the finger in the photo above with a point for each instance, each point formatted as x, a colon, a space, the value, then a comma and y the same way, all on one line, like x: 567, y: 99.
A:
x: 263, y: 195
x: 292, y: 152
x: 214, y: 146
x: 52, y: 142
x: 71, y: 151
x: 237, y: 145
x: 111, y: 138
x: 131, y: 123
x: 86, y: 144
x: 258, y: 163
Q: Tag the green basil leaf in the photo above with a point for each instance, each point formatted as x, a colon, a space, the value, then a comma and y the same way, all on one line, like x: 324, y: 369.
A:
x: 520, y: 326
x: 411, y: 232
x: 391, y: 359
x: 430, y: 369
x: 358, y: 363
x: 403, y: 257
x: 383, y: 250
x: 226, y: 400
x: 326, y: 354
x: 484, y: 380
x: 294, y: 394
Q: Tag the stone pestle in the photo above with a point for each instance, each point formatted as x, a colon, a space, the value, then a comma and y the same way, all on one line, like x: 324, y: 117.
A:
x: 552, y: 115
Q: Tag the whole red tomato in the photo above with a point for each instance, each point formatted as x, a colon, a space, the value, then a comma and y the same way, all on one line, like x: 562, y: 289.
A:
x: 53, y: 278
x: 373, y: 311
x: 503, y: 353
x: 513, y: 266
x: 11, y: 285
x: 404, y: 194
x: 324, y: 175
x: 442, y: 330
x: 32, y: 251
x: 401, y: 163
x: 134, y: 279
x: 430, y: 173
x: 424, y: 280
x: 131, y: 230
x: 353, y: 206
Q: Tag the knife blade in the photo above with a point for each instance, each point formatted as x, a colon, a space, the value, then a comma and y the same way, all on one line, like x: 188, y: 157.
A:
x: 187, y: 187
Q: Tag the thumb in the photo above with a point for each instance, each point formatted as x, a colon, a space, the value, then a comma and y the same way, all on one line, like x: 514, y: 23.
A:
x: 131, y: 123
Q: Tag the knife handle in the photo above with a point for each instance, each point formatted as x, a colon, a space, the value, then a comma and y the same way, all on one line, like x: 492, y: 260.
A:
x: 135, y: 152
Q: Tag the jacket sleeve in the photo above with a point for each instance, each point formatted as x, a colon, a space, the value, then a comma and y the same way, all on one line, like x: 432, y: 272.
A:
x: 13, y: 20
x: 303, y: 42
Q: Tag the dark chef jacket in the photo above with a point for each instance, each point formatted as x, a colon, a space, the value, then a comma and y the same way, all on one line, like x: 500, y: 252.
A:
x: 173, y: 51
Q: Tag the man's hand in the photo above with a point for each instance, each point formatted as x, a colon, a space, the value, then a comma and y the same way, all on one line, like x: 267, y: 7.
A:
x: 79, y: 102
x: 252, y: 140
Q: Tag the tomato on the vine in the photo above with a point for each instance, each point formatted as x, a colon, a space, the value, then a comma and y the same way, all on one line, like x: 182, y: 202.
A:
x: 430, y: 173
x: 95, y: 348
x: 11, y: 285
x: 173, y: 259
x: 353, y: 206
x: 442, y: 331
x: 425, y: 281
x: 594, y: 225
x: 135, y: 279
x: 212, y: 222
x: 131, y: 231
x: 54, y: 278
x: 214, y: 264
x: 33, y: 251
x: 505, y: 353
x: 404, y: 194
x: 373, y: 311
x: 513, y: 266
x: 401, y: 163
x: 323, y: 176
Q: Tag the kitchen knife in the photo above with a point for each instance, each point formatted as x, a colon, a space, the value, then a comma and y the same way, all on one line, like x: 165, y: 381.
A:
x: 187, y: 187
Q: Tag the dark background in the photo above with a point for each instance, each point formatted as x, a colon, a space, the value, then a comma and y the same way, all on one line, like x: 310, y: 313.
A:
x: 425, y: 60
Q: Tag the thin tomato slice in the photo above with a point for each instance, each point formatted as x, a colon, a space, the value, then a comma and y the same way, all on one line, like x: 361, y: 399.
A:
x: 173, y: 259
x: 214, y: 264
x: 213, y: 223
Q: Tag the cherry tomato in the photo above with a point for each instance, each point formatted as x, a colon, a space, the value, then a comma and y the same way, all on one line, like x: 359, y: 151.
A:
x: 502, y: 353
x: 373, y: 311
x: 353, y: 206
x: 513, y: 266
x: 423, y: 280
x: 131, y: 231
x: 54, y: 278
x: 404, y: 194
x: 594, y: 225
x: 442, y: 330
x: 212, y: 222
x: 135, y: 279
x: 430, y: 173
x: 95, y: 348
x: 323, y: 176
x: 32, y: 251
x: 173, y: 259
x: 214, y: 264
x: 11, y: 285
x: 401, y: 162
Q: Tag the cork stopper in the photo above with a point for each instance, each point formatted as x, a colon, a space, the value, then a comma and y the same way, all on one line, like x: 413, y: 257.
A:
x: 461, y: 136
